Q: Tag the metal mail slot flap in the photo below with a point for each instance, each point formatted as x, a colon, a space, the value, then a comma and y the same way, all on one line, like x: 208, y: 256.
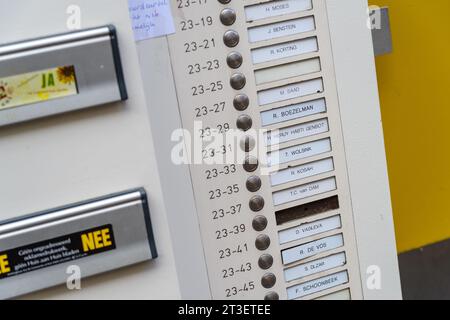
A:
x: 60, y: 73
x: 95, y: 236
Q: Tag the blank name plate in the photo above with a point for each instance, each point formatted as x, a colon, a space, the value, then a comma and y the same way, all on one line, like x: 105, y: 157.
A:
x: 318, y: 285
x: 95, y: 236
x: 286, y: 71
x: 343, y: 295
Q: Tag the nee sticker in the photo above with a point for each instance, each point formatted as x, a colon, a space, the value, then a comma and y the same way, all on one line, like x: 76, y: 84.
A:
x: 51, y: 252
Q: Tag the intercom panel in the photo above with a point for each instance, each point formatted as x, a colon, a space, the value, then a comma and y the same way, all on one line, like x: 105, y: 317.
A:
x: 251, y: 126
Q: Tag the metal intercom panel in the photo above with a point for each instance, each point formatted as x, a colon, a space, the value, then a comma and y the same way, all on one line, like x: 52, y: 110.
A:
x: 267, y: 65
x: 253, y: 127
x: 277, y: 215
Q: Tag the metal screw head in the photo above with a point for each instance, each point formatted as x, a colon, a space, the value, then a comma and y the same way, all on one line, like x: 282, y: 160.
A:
x: 272, y: 296
x: 244, y: 122
x: 259, y: 223
x: 224, y: 1
x: 251, y: 164
x: 228, y: 16
x: 248, y: 143
x: 253, y: 183
x: 231, y: 38
x: 241, y: 102
x: 268, y: 280
x: 265, y: 261
x: 256, y: 203
x: 262, y: 242
x: 234, y: 60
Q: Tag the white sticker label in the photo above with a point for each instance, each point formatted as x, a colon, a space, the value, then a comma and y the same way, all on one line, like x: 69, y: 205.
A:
x: 296, y: 132
x: 281, y: 29
x: 313, y: 248
x: 150, y: 18
x: 284, y: 50
x: 275, y: 9
x: 293, y: 112
x: 302, y: 172
x: 292, y: 91
x: 305, y: 191
x: 299, y: 152
x: 309, y: 229
x: 314, y: 267
x: 318, y: 285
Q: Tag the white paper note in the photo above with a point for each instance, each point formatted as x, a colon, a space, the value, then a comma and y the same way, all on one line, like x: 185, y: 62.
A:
x: 150, y: 18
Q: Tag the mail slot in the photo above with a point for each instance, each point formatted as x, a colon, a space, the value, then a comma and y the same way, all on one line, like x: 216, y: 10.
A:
x: 96, y: 236
x: 61, y: 73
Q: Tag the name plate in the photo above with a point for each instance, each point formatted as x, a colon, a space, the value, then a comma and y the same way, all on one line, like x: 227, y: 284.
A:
x: 314, y: 267
x: 293, y: 112
x: 305, y: 191
x: 302, y: 172
x: 343, y: 295
x: 311, y: 249
x: 292, y: 91
x: 281, y: 29
x: 284, y: 50
x: 319, y: 285
x: 310, y: 229
x: 275, y: 9
x: 287, y: 71
x: 297, y: 132
x: 299, y: 152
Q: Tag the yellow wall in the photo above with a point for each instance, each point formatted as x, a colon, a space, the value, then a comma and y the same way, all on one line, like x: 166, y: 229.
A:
x: 414, y: 86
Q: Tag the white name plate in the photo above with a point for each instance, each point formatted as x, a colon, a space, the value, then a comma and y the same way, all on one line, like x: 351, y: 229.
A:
x: 343, y: 295
x: 305, y: 191
x: 281, y: 29
x: 292, y: 91
x: 319, y: 285
x: 299, y: 152
x: 296, y: 132
x: 309, y: 229
x: 313, y: 248
x: 287, y: 71
x: 293, y: 112
x: 302, y: 172
x: 284, y: 50
x: 314, y: 267
x: 275, y: 9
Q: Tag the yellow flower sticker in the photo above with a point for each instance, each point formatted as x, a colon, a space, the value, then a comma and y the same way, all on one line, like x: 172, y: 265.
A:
x: 38, y: 86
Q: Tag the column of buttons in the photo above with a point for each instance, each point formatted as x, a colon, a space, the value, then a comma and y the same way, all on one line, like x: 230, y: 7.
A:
x: 244, y: 122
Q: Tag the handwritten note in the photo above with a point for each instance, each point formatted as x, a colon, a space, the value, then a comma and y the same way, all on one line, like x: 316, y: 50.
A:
x: 151, y: 18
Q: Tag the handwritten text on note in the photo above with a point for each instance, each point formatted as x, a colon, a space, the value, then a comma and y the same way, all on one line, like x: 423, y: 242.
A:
x: 151, y: 18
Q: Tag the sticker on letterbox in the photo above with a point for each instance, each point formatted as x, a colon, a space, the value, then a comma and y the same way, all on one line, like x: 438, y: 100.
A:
x: 48, y: 253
